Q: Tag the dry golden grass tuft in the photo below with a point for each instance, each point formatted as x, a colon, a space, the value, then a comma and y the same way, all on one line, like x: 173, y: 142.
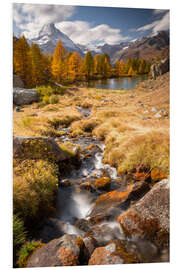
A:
x: 34, y: 187
x: 132, y: 134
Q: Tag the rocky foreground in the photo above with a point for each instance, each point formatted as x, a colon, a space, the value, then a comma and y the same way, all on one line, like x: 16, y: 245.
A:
x: 96, y: 164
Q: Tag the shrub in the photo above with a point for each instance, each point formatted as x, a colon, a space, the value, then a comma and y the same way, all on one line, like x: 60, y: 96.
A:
x: 26, y: 251
x: 53, y: 99
x: 34, y: 187
x: 48, y: 90
x: 46, y: 100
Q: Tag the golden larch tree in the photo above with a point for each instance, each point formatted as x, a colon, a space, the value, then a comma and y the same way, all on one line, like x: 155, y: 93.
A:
x: 74, y: 66
x: 58, y: 66
x: 22, y: 61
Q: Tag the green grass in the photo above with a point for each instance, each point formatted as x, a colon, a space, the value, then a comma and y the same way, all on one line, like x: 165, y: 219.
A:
x: 19, y: 234
x: 26, y: 251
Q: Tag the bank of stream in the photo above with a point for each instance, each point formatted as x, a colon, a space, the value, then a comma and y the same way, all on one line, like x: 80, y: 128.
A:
x: 76, y: 196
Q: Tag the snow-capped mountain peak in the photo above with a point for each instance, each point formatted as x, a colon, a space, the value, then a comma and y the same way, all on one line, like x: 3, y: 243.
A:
x: 49, y: 36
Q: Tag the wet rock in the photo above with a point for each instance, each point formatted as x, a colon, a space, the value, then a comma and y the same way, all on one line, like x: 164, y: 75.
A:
x: 108, y: 204
x: 149, y: 217
x: 64, y: 251
x: 103, y: 183
x: 104, y: 255
x: 82, y: 224
x: 90, y: 244
x: 105, y: 232
x: 37, y: 148
x: 24, y: 96
x: 65, y: 183
x: 124, y: 252
x: 86, y: 186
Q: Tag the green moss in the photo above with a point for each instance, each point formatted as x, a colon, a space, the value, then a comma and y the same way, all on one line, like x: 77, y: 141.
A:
x: 68, y: 148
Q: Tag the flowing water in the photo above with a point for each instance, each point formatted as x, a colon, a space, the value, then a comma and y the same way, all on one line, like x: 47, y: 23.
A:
x: 74, y: 204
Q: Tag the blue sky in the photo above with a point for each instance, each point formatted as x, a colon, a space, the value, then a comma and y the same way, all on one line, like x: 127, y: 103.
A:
x: 90, y: 25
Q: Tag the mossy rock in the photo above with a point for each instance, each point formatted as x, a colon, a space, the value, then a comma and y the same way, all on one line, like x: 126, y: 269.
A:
x: 37, y: 148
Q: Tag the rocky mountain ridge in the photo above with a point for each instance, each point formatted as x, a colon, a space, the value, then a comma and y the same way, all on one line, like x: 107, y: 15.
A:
x: 148, y: 48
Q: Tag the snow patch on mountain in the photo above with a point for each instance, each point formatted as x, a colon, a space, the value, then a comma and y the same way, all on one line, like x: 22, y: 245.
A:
x: 49, y: 36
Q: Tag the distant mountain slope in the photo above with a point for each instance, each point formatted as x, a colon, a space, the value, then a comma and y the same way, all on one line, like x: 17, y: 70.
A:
x: 49, y: 36
x: 147, y: 48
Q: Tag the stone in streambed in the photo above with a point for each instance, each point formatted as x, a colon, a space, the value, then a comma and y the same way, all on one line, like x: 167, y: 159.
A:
x: 102, y: 183
x: 59, y: 252
x: 149, y: 217
x: 123, y: 252
x: 109, y: 204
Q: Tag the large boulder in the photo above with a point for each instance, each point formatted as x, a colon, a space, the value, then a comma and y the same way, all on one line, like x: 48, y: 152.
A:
x: 160, y: 68
x: 64, y: 251
x: 17, y: 82
x: 24, y: 96
x: 37, y: 148
x: 149, y: 217
x: 108, y: 205
x: 124, y: 252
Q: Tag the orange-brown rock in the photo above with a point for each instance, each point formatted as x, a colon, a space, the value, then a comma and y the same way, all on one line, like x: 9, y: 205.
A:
x: 157, y: 175
x: 67, y: 257
x: 107, y: 204
x: 63, y: 251
x: 102, y: 183
x: 141, y: 176
x: 149, y: 217
x: 116, y: 252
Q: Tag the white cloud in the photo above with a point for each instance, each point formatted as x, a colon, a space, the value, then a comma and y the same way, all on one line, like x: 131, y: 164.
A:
x: 31, y: 17
x: 158, y: 25
x: 81, y: 32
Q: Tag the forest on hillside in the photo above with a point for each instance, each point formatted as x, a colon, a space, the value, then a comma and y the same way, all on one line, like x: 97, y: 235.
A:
x: 36, y: 68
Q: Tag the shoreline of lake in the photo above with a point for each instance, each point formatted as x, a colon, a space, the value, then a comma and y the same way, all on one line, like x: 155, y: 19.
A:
x: 124, y: 82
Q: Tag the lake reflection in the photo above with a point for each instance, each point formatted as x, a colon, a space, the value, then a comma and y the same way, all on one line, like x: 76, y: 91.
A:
x: 117, y: 83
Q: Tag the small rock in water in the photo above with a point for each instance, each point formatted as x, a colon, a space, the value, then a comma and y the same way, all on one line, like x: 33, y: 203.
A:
x: 65, y: 183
